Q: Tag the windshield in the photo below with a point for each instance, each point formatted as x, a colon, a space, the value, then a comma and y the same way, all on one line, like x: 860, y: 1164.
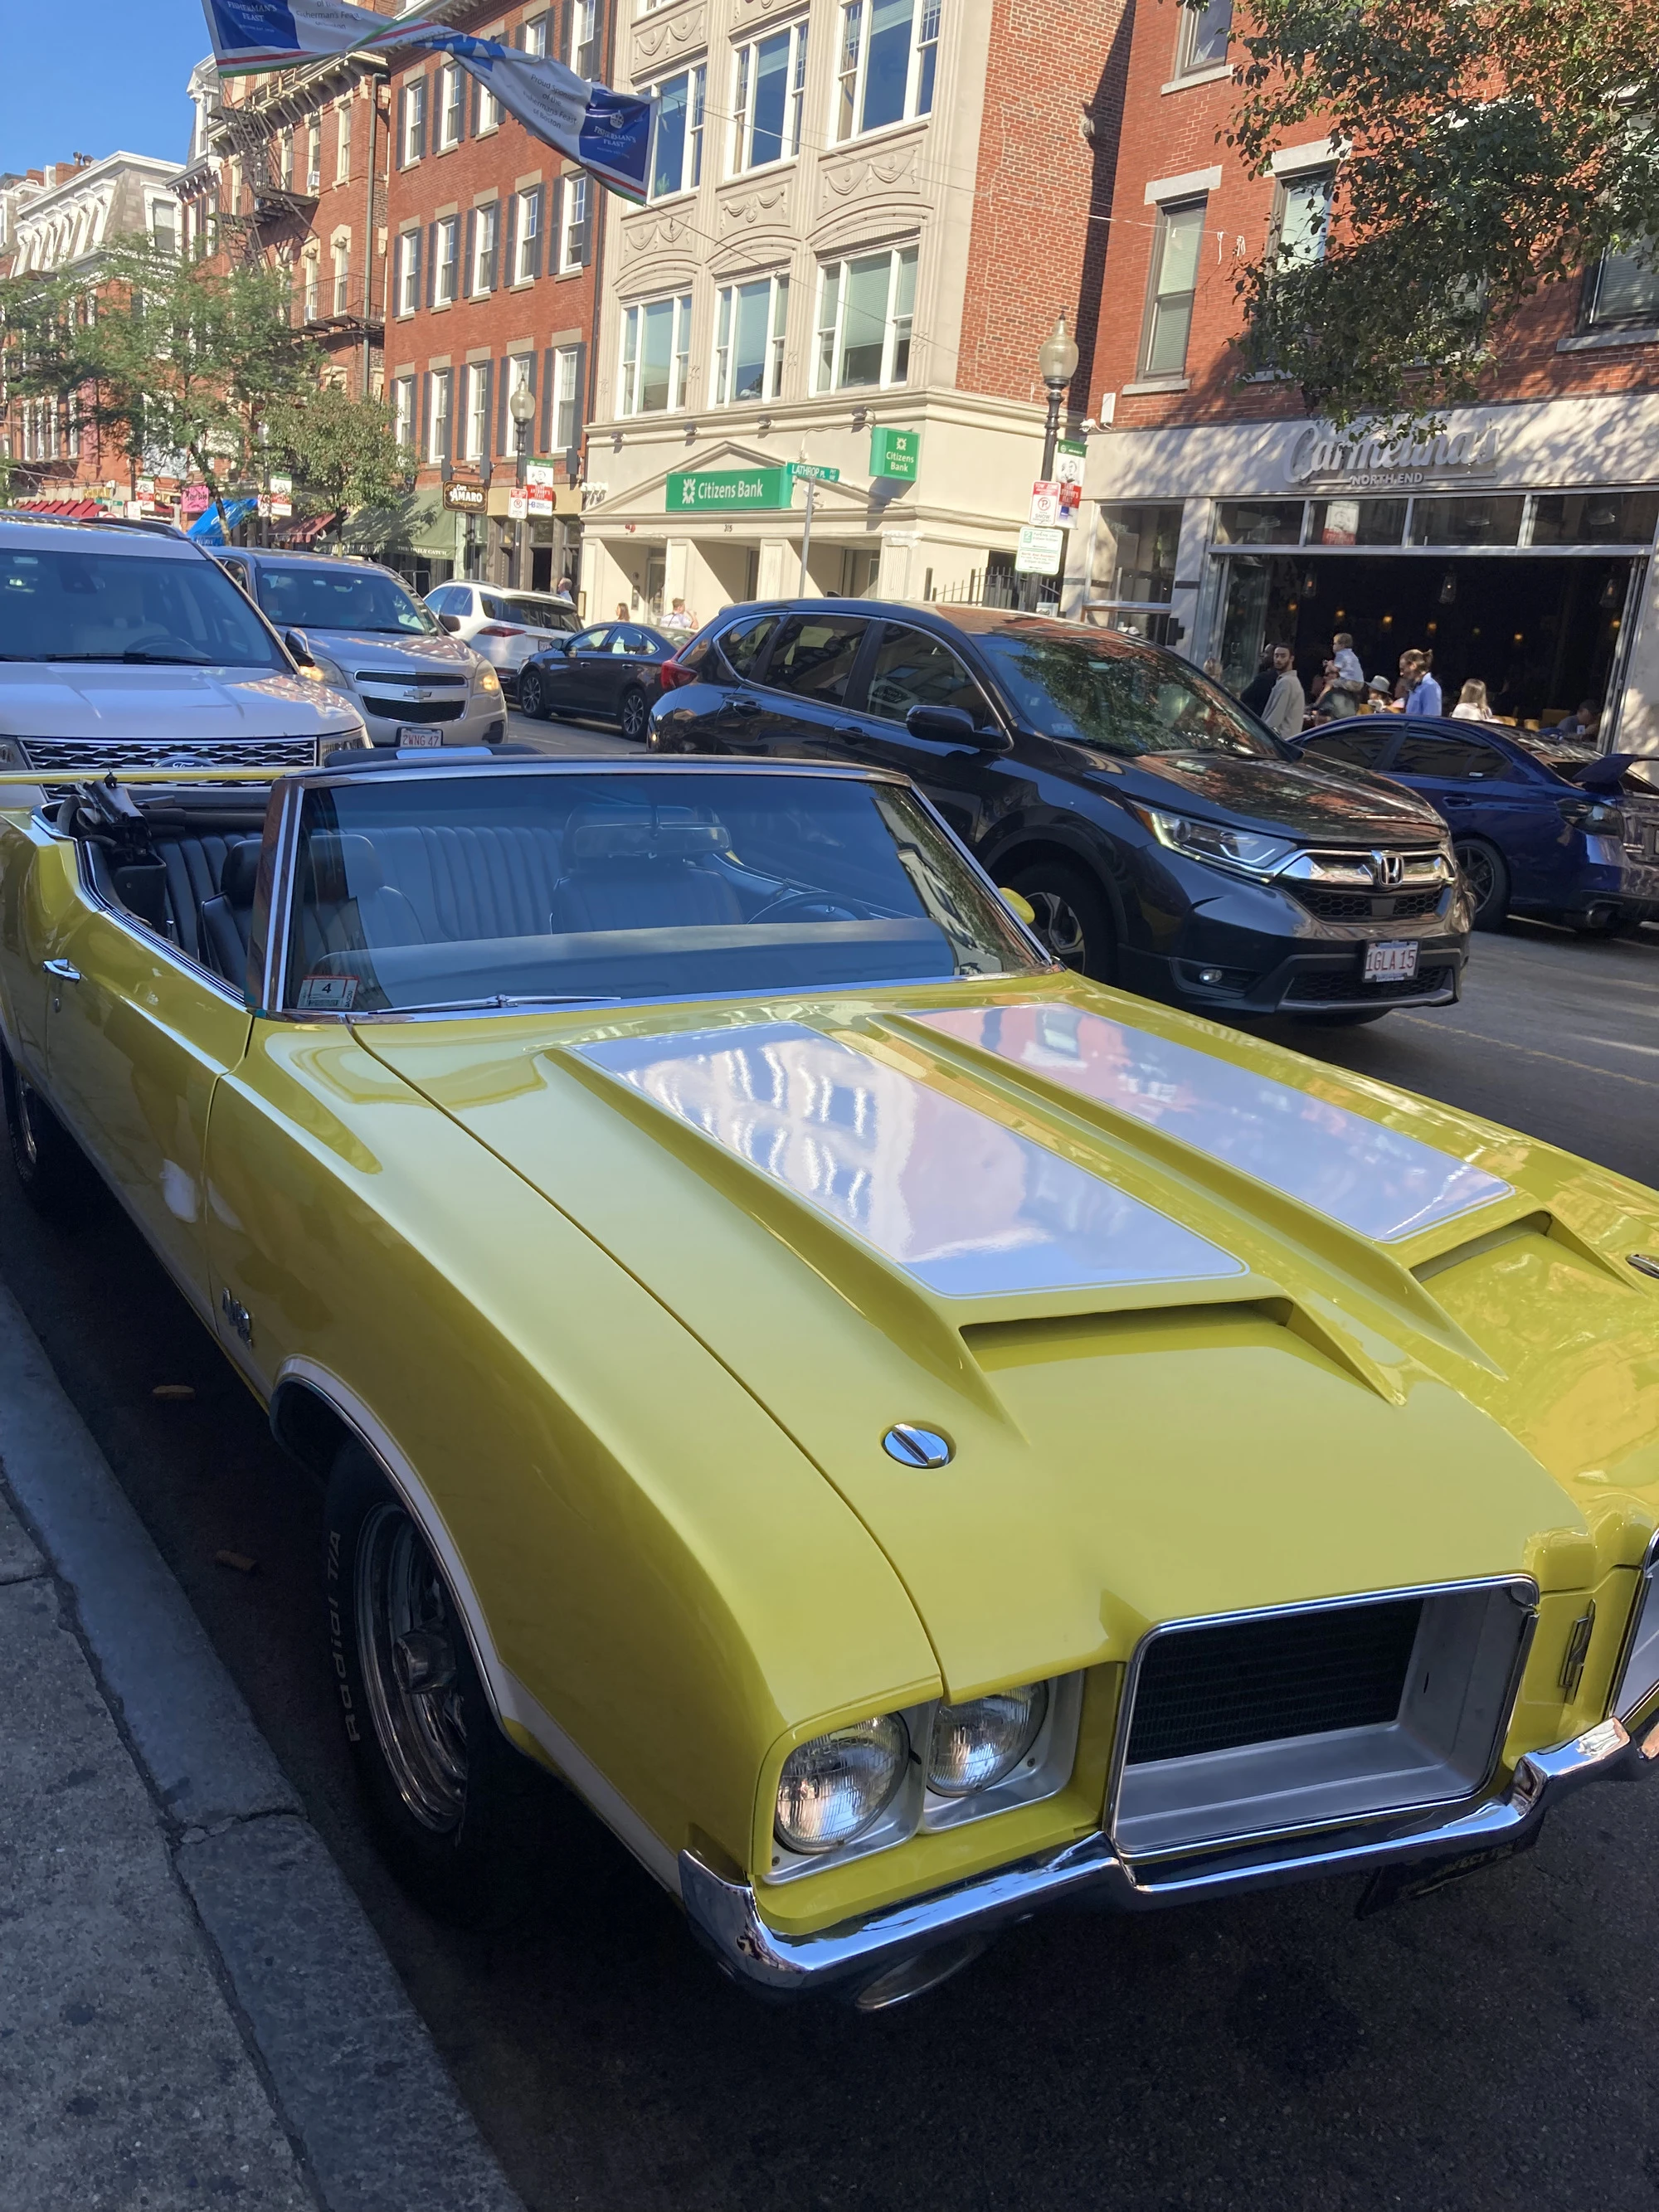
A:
x: 345, y: 598
x: 178, y: 610
x: 458, y: 892
x: 1093, y: 691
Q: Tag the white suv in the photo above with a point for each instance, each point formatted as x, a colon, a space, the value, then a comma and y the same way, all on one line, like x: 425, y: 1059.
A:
x: 508, y: 628
x: 122, y: 646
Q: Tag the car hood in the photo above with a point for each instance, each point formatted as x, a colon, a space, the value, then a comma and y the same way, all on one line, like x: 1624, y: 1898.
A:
x: 95, y: 701
x: 1208, y: 1327
x: 1313, y: 804
x: 357, y: 649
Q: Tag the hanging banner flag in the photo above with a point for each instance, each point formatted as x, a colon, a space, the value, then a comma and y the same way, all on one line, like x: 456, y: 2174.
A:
x: 609, y: 133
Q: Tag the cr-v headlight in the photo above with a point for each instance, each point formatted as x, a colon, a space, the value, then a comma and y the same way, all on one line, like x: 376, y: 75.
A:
x: 835, y: 1787
x: 1242, y: 852
x: 978, y: 1744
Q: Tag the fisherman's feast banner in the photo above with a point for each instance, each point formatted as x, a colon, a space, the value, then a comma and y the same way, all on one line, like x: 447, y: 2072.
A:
x: 609, y: 133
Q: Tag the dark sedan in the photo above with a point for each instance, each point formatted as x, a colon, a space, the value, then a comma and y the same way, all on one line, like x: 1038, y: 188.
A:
x: 1540, y: 824
x: 1165, y: 839
x: 611, y: 672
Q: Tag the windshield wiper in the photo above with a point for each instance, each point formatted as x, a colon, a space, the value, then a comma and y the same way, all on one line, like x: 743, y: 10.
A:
x: 133, y: 654
x: 500, y: 998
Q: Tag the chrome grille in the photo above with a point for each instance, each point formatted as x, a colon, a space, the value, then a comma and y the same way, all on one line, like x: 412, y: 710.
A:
x: 167, y: 752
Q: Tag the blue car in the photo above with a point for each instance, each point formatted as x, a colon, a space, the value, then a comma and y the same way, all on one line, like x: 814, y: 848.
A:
x: 1540, y: 825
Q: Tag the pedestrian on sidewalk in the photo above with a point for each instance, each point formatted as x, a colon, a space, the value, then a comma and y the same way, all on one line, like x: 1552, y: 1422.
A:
x: 1473, y: 705
x: 1346, y: 661
x: 1257, y: 692
x: 678, y: 621
x: 1287, y: 703
x: 1379, y: 696
x: 1422, y: 692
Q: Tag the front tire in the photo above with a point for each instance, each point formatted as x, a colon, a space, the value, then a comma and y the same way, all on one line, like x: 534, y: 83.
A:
x: 634, y: 714
x: 453, y: 1803
x: 532, y: 699
x: 1073, y: 918
x: 1488, y: 879
x: 50, y: 1168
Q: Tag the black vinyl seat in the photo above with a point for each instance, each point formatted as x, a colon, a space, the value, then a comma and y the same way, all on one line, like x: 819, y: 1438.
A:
x: 227, y: 919
x: 195, y: 868
x: 635, y: 873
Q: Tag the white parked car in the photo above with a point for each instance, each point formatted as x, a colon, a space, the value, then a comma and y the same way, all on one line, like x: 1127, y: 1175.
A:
x: 509, y: 628
x: 370, y: 639
x: 127, y: 646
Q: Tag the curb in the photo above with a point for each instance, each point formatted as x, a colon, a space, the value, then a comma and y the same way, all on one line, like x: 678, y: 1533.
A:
x: 354, y: 2077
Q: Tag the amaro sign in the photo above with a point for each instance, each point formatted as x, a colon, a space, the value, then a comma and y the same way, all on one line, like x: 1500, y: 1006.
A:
x: 1321, y: 455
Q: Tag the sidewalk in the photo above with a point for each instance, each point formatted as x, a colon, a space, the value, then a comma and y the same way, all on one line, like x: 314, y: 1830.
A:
x: 193, y: 2008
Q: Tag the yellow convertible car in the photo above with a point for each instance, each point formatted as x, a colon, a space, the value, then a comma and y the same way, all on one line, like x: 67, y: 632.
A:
x: 911, y: 1437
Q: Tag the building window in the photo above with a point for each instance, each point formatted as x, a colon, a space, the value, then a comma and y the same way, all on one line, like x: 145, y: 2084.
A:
x: 437, y: 442
x: 342, y: 279
x: 1622, y: 290
x: 72, y: 427
x: 310, y: 287
x: 409, y: 271
x: 768, y: 81
x: 535, y: 36
x: 572, y: 226
x: 677, y: 141
x: 314, y: 155
x: 477, y: 434
x: 527, y: 235
x: 655, y: 350
x: 1302, y: 218
x: 584, y: 39
x: 163, y: 228
x: 748, y: 332
x: 1174, y: 279
x: 450, y: 95
x: 414, y: 121
x: 566, y: 424
x: 519, y: 367
x: 402, y: 409
x: 343, y: 143
x: 489, y: 111
x: 865, y: 308
x: 1201, y: 42
x: 449, y: 236
x: 485, y: 229
x: 889, y: 56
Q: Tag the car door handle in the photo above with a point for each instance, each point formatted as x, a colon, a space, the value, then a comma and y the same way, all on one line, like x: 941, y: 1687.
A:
x: 854, y: 732
x: 64, y: 970
x: 745, y: 706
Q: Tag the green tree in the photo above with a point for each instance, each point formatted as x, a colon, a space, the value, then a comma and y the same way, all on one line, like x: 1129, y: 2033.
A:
x: 342, y: 452
x: 1487, y: 148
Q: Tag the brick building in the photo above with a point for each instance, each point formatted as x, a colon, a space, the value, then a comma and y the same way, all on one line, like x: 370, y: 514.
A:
x: 1517, y: 547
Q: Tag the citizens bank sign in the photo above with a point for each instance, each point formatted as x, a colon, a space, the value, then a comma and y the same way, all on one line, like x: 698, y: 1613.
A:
x: 1321, y: 455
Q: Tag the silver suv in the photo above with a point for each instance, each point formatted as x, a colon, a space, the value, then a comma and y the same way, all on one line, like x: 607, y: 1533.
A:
x: 412, y: 681
x: 122, y: 646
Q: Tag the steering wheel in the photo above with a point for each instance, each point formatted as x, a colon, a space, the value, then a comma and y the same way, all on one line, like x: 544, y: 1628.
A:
x: 815, y: 905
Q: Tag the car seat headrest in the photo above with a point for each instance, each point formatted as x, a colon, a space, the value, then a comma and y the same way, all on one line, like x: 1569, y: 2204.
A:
x: 592, y: 843
x: 342, y: 867
x: 240, y: 872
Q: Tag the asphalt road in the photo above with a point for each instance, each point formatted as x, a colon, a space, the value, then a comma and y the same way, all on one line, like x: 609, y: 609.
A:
x: 1490, y: 2047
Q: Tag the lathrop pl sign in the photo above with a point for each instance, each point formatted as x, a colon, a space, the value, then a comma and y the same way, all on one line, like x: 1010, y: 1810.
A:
x: 1321, y: 455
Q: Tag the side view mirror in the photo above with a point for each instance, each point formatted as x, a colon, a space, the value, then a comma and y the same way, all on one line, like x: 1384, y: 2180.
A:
x: 299, y: 646
x: 954, y: 725
x: 451, y: 622
x: 1017, y: 902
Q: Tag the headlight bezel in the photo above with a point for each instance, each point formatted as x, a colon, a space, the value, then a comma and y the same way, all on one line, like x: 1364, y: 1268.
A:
x: 1220, y: 844
x: 486, y: 678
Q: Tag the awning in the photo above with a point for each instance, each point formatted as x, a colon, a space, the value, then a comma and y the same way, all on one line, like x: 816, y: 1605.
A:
x: 209, y: 530
x: 71, y: 510
x: 306, y: 532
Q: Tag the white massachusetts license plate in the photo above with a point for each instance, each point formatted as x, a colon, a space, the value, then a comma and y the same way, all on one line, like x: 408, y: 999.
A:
x: 411, y: 733
x: 1393, y: 962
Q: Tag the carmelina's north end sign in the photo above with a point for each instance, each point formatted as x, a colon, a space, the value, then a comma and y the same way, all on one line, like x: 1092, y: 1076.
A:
x: 1320, y: 455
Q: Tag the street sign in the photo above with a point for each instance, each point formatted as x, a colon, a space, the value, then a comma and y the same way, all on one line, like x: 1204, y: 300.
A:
x: 282, y: 486
x: 1041, y: 551
x: 540, y: 472
x: 1069, y: 456
x: 702, y: 491
x: 195, y: 499
x: 517, y: 507
x: 470, y: 498
x: 280, y: 507
x: 541, y: 501
x: 813, y: 472
x: 1045, y: 506
x: 894, y: 452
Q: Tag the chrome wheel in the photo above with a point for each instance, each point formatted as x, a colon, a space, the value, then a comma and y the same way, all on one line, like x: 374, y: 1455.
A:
x: 530, y: 695
x: 1486, y: 881
x: 633, y: 713
x: 1058, y: 926
x: 406, y: 1650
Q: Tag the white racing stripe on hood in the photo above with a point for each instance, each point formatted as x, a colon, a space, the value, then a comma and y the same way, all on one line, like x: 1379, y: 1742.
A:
x: 1373, y: 1180
x: 967, y: 1208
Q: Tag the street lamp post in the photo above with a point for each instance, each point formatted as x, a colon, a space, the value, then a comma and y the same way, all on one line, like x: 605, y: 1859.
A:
x: 1057, y: 365
x: 522, y: 406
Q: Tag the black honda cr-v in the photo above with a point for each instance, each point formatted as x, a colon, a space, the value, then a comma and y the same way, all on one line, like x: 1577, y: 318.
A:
x: 1166, y: 841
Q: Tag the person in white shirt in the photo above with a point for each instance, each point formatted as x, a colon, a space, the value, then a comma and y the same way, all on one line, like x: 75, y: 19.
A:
x: 1347, y: 662
x: 1472, y: 704
x: 1287, y: 703
x: 678, y: 620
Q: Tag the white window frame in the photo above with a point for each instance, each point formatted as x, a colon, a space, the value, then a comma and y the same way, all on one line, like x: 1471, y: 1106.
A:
x: 311, y: 279
x: 1293, y: 182
x: 526, y: 231
x: 835, y: 328
x: 567, y: 399
x: 342, y: 144
x: 489, y: 111
x: 443, y: 380
x: 409, y: 271
x: 628, y: 361
x: 446, y: 269
x: 852, y: 70
x: 452, y: 106
x: 535, y: 34
x: 573, y: 214
x: 341, y: 276
x: 486, y: 229
x: 403, y: 427
x: 1154, y: 309
x: 725, y: 310
x: 1188, y: 62
x: 475, y: 426
x: 415, y: 97
x: 584, y: 56
x: 745, y: 64
x: 696, y: 79
x: 315, y: 155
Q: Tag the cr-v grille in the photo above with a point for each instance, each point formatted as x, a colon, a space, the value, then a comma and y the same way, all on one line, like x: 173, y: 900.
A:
x: 169, y: 752
x: 1261, y: 1681
x: 1361, y: 906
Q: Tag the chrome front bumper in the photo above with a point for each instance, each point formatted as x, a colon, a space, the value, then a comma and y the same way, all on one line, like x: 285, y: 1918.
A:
x: 1089, y: 1872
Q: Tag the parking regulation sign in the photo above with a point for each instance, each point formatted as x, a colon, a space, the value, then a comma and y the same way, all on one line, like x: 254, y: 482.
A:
x: 1041, y: 551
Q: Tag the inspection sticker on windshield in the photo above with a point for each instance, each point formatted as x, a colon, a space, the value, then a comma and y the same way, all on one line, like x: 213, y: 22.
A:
x: 328, y: 995
x: 1393, y: 962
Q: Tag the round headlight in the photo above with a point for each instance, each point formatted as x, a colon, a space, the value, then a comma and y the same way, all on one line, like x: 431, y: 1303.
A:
x: 838, y: 1785
x: 975, y: 1746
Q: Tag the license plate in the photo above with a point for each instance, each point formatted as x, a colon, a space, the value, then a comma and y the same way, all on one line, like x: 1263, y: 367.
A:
x: 1393, y: 962
x: 410, y: 734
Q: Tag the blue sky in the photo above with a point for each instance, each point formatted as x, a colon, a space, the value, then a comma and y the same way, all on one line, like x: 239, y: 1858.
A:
x: 96, y: 76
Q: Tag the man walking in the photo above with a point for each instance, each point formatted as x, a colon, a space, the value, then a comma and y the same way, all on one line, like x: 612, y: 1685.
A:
x: 1287, y: 703
x: 1422, y: 692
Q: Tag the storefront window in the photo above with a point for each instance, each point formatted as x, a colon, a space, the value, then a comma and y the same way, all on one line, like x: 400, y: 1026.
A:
x: 1258, y: 522
x: 1355, y: 521
x: 1595, y: 518
x: 1466, y: 521
x: 1132, y: 570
